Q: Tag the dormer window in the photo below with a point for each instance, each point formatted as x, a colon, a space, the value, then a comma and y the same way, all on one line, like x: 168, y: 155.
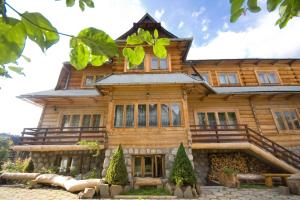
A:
x: 90, y: 79
x: 268, y: 77
x: 159, y: 63
x: 228, y: 78
x: 140, y: 67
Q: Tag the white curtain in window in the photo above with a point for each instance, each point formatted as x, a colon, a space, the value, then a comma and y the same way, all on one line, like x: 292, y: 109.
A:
x: 273, y: 77
x: 232, y: 78
x: 176, y: 115
x: 165, y: 119
x: 222, y: 78
x: 130, y: 116
x: 118, y: 122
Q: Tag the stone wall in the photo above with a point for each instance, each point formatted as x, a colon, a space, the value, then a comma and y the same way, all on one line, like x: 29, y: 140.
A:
x: 83, y: 161
x: 201, y: 164
x: 169, y: 153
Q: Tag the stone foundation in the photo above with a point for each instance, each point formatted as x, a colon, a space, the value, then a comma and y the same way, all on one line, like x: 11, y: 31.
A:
x: 83, y: 161
x: 201, y: 164
x: 169, y: 154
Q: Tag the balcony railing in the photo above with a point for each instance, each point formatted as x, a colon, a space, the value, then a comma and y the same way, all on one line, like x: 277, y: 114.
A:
x: 242, y: 133
x: 62, y: 136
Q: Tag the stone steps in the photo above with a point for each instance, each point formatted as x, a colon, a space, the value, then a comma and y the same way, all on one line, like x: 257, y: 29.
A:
x: 144, y: 197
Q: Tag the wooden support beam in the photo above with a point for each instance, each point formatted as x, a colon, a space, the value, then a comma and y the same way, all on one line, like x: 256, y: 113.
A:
x: 228, y: 97
x: 203, y: 97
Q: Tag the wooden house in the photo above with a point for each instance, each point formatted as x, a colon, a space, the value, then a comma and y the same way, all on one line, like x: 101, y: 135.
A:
x: 211, y: 106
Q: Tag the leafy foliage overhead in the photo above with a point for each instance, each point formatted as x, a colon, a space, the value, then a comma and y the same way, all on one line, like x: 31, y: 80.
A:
x: 287, y: 9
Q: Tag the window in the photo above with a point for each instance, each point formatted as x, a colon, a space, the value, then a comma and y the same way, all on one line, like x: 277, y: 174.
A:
x: 90, y: 80
x: 147, y: 115
x: 287, y: 120
x: 159, y: 63
x: 85, y: 120
x: 136, y: 67
x: 205, y: 76
x: 211, y: 119
x: 148, y: 166
x: 228, y: 78
x: 268, y: 78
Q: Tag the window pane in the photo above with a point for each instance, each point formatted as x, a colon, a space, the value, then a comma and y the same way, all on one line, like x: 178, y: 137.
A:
x: 66, y: 121
x: 222, y: 78
x: 262, y: 77
x: 233, y: 78
x: 165, y: 120
x: 288, y: 119
x: 205, y: 76
x: 118, y: 122
x: 130, y: 116
x: 138, y: 166
x: 280, y: 121
x: 176, y: 115
x: 211, y: 119
x: 89, y: 80
x: 295, y: 120
x: 136, y: 67
x: 222, y: 119
x: 159, y: 166
x: 202, y: 119
x: 163, y: 63
x: 142, y: 115
x: 96, y: 121
x: 232, y: 120
x: 152, y: 115
x: 154, y: 63
x: 148, y: 166
x: 86, y: 121
x: 75, y: 120
x: 273, y: 77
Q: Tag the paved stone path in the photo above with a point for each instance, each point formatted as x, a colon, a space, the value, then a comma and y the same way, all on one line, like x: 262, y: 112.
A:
x: 17, y: 192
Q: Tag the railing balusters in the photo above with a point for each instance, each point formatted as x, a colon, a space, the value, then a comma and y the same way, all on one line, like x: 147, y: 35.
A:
x: 45, y: 135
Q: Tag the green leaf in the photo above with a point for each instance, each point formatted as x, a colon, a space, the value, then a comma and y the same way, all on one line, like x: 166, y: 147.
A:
x: 89, y: 3
x: 134, y: 56
x: 12, y: 40
x: 26, y: 58
x: 155, y: 34
x: 272, y: 4
x: 40, y: 30
x: 80, y: 54
x: 99, y: 42
x: 236, y: 15
x: 146, y: 36
x: 134, y: 39
x: 2, y: 70
x: 236, y: 5
x: 163, y: 41
x: 98, y: 60
x: 18, y: 70
x: 252, y: 6
x: 70, y: 3
x: 159, y: 50
x: 81, y: 5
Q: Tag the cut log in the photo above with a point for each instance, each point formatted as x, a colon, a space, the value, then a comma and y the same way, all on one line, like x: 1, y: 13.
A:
x: 73, y: 185
x: 19, y: 176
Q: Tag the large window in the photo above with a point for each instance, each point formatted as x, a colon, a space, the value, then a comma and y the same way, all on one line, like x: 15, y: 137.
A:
x: 287, y: 120
x: 90, y: 80
x: 211, y: 119
x: 147, y: 115
x: 85, y: 120
x: 136, y: 67
x: 148, y: 166
x: 159, y: 63
x: 268, y: 78
x: 228, y: 78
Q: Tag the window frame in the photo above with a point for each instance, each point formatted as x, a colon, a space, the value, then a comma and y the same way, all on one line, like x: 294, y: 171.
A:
x: 268, y: 71
x: 154, y: 163
x: 81, y: 115
x: 239, y: 83
x: 147, y: 103
x: 209, y: 76
x: 281, y: 110
x: 94, y: 79
x: 216, y: 111
x: 158, y: 64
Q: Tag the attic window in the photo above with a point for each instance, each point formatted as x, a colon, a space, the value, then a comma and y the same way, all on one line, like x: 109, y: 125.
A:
x: 159, y: 64
x: 90, y: 80
x: 268, y: 78
x: 138, y: 67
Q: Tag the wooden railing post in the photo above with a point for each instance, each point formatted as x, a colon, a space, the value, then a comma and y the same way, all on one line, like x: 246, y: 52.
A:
x: 247, y: 133
x: 45, y: 135
x: 79, y: 136
x: 217, y: 135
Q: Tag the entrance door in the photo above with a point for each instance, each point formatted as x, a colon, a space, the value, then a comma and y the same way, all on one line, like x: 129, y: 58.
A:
x: 148, y: 166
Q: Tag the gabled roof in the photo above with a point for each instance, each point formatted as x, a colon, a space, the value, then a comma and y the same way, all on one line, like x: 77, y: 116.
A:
x: 149, y: 23
x: 146, y: 79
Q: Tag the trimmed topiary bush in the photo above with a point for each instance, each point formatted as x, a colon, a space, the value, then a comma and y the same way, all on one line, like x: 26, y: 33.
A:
x: 182, y: 171
x: 28, y: 165
x: 117, y: 173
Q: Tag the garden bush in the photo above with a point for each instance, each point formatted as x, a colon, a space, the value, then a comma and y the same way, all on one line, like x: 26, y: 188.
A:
x: 182, y: 171
x: 28, y: 165
x: 117, y: 173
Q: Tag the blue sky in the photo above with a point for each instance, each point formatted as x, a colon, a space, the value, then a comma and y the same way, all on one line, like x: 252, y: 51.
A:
x: 207, y: 21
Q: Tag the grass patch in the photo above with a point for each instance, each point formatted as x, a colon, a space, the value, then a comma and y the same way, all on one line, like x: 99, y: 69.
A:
x: 147, y: 191
x: 253, y: 186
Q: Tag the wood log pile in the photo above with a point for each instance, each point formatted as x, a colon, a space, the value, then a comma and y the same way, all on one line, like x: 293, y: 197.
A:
x: 240, y: 162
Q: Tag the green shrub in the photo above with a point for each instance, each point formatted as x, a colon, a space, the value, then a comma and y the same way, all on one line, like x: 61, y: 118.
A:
x: 28, y: 165
x: 9, y: 166
x: 74, y: 171
x: 182, y: 171
x: 93, y: 173
x: 117, y: 172
x: 49, y: 170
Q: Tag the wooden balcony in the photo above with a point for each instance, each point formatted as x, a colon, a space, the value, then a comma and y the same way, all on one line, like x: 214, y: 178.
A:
x: 241, y: 133
x: 62, y: 136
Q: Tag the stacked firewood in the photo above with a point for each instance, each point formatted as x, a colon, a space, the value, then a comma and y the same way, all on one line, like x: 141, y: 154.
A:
x: 241, y: 163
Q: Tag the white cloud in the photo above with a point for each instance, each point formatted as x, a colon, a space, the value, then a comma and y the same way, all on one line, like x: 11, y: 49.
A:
x: 204, y: 24
x: 199, y: 12
x: 159, y: 13
x: 225, y: 26
x: 164, y: 24
x: 206, y: 36
x: 180, y: 25
x: 264, y: 40
x: 42, y: 72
